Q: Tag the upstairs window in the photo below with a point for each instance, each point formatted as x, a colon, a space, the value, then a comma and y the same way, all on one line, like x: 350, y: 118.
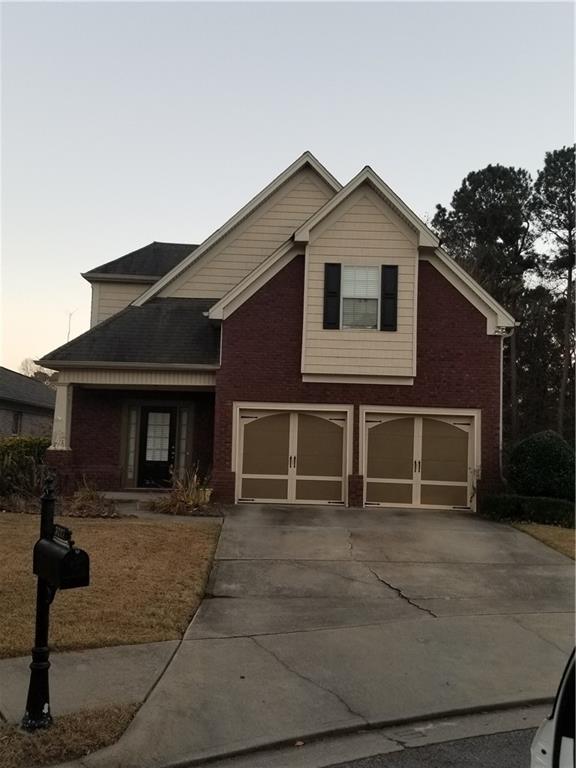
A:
x: 360, y: 297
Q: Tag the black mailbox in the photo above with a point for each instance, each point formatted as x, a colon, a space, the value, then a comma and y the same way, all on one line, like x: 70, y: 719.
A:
x: 62, y: 565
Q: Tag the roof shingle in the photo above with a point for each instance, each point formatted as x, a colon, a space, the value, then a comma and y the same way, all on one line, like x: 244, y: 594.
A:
x: 153, y: 260
x: 163, y: 331
x: 22, y: 389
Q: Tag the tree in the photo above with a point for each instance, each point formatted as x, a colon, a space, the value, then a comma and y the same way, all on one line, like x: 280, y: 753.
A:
x: 488, y: 229
x: 554, y: 207
x: 29, y: 368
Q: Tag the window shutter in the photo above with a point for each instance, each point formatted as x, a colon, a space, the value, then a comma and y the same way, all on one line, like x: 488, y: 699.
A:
x: 389, y: 299
x: 332, y: 295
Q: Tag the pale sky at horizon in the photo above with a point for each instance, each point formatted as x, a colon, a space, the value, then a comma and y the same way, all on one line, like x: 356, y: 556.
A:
x: 124, y: 123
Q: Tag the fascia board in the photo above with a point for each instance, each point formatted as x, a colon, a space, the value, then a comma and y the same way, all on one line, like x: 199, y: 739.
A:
x: 56, y: 365
x: 426, y: 236
x: 504, y: 318
x: 306, y: 159
x: 108, y: 277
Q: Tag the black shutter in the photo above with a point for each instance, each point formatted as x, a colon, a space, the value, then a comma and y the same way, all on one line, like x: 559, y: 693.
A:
x: 389, y: 299
x: 332, y: 295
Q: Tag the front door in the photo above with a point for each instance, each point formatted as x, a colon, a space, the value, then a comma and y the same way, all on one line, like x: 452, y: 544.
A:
x: 291, y: 457
x: 157, y: 446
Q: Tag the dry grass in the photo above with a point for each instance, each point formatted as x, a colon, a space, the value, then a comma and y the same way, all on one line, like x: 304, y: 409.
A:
x: 561, y: 539
x: 147, y: 579
x: 71, y: 737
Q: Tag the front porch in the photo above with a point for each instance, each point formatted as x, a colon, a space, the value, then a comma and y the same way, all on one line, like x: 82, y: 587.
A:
x: 130, y: 438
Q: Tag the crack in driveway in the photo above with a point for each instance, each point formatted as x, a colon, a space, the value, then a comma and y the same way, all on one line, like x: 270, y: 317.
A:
x: 402, y: 595
x: 315, y: 683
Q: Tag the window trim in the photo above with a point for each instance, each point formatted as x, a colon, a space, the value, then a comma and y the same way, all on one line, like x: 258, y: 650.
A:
x: 17, y: 419
x: 342, y: 297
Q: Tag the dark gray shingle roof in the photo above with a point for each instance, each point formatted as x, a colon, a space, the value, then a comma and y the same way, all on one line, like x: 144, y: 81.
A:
x: 22, y: 389
x: 162, y: 331
x: 153, y: 260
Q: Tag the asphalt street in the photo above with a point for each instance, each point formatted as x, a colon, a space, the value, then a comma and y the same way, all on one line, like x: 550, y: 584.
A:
x: 501, y: 750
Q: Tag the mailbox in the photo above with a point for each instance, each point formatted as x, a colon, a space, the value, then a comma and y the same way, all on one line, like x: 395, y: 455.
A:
x: 61, y: 564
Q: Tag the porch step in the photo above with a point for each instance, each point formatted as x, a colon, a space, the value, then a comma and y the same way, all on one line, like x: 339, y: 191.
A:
x: 133, y: 501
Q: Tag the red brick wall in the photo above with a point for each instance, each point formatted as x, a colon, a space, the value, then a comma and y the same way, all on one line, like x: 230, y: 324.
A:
x: 95, y: 436
x: 458, y: 366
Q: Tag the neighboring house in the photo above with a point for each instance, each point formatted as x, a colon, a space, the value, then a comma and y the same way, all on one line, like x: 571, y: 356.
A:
x: 26, y: 405
x: 320, y: 347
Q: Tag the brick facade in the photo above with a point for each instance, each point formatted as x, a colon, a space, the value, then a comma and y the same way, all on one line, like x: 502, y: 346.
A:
x: 96, y: 435
x: 458, y: 366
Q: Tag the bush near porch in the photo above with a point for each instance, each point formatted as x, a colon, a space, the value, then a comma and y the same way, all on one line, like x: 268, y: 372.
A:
x: 21, y: 462
x: 147, y: 580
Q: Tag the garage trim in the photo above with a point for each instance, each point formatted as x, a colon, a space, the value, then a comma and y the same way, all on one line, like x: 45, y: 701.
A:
x: 473, y: 414
x: 346, y: 410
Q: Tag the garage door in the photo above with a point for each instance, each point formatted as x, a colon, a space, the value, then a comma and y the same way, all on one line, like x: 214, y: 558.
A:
x: 292, y: 457
x: 418, y: 460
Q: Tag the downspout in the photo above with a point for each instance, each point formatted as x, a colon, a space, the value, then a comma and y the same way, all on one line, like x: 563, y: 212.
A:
x: 501, y: 429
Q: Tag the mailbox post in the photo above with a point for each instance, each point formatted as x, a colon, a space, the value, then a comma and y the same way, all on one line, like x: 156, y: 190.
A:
x: 58, y: 565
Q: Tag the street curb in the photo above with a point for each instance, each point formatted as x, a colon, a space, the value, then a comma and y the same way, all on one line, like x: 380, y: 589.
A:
x: 318, y: 735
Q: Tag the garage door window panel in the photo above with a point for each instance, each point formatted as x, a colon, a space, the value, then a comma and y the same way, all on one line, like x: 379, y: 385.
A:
x: 266, y: 445
x: 391, y: 449
x: 444, y: 451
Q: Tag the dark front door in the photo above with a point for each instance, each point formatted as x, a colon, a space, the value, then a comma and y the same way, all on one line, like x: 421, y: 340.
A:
x: 157, y: 446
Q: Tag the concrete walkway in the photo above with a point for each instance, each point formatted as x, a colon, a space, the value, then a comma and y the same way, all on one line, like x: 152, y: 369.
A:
x: 319, y: 620
x: 90, y: 679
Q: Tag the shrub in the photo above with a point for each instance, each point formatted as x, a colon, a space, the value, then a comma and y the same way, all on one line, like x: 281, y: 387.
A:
x: 528, y: 509
x: 89, y: 502
x: 542, y: 465
x: 21, y: 465
x: 187, y: 493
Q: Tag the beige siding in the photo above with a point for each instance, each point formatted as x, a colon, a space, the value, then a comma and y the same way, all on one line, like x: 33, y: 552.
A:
x: 252, y: 241
x: 363, y: 231
x: 109, y: 298
x: 135, y: 377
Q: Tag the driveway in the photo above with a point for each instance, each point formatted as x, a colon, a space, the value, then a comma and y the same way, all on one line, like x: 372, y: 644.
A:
x: 321, y: 619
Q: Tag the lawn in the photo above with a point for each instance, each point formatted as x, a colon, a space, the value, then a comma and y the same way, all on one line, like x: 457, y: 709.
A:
x: 70, y: 737
x: 147, y: 579
x: 561, y: 539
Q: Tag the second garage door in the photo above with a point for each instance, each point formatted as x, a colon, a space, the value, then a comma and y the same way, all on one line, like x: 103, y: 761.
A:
x: 418, y: 460
x: 292, y: 457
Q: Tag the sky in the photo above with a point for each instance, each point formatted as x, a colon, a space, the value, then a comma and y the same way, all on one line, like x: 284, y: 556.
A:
x: 124, y: 123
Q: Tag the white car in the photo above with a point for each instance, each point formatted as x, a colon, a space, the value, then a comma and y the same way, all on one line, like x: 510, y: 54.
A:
x: 553, y: 743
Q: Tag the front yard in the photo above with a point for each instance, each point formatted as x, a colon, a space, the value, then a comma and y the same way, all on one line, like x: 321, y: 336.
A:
x: 561, y: 539
x: 147, y: 579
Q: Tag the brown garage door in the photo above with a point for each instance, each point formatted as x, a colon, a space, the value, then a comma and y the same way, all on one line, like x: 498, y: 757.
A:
x: 418, y: 460
x: 292, y: 456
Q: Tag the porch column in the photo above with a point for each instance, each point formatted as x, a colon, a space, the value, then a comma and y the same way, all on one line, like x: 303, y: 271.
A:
x: 62, y: 418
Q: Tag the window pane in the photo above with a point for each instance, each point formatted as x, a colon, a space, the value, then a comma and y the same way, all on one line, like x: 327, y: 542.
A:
x: 361, y: 282
x: 158, y: 437
x: 360, y: 313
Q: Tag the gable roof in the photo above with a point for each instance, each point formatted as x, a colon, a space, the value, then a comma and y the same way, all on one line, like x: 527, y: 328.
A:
x: 147, y: 263
x: 163, y: 332
x: 21, y: 389
x: 368, y: 176
x: 306, y: 159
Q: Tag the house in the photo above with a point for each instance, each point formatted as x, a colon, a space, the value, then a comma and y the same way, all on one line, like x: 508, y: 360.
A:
x: 319, y: 347
x: 26, y: 405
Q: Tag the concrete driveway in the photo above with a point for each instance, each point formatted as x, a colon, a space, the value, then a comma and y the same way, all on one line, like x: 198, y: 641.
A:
x: 321, y: 619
